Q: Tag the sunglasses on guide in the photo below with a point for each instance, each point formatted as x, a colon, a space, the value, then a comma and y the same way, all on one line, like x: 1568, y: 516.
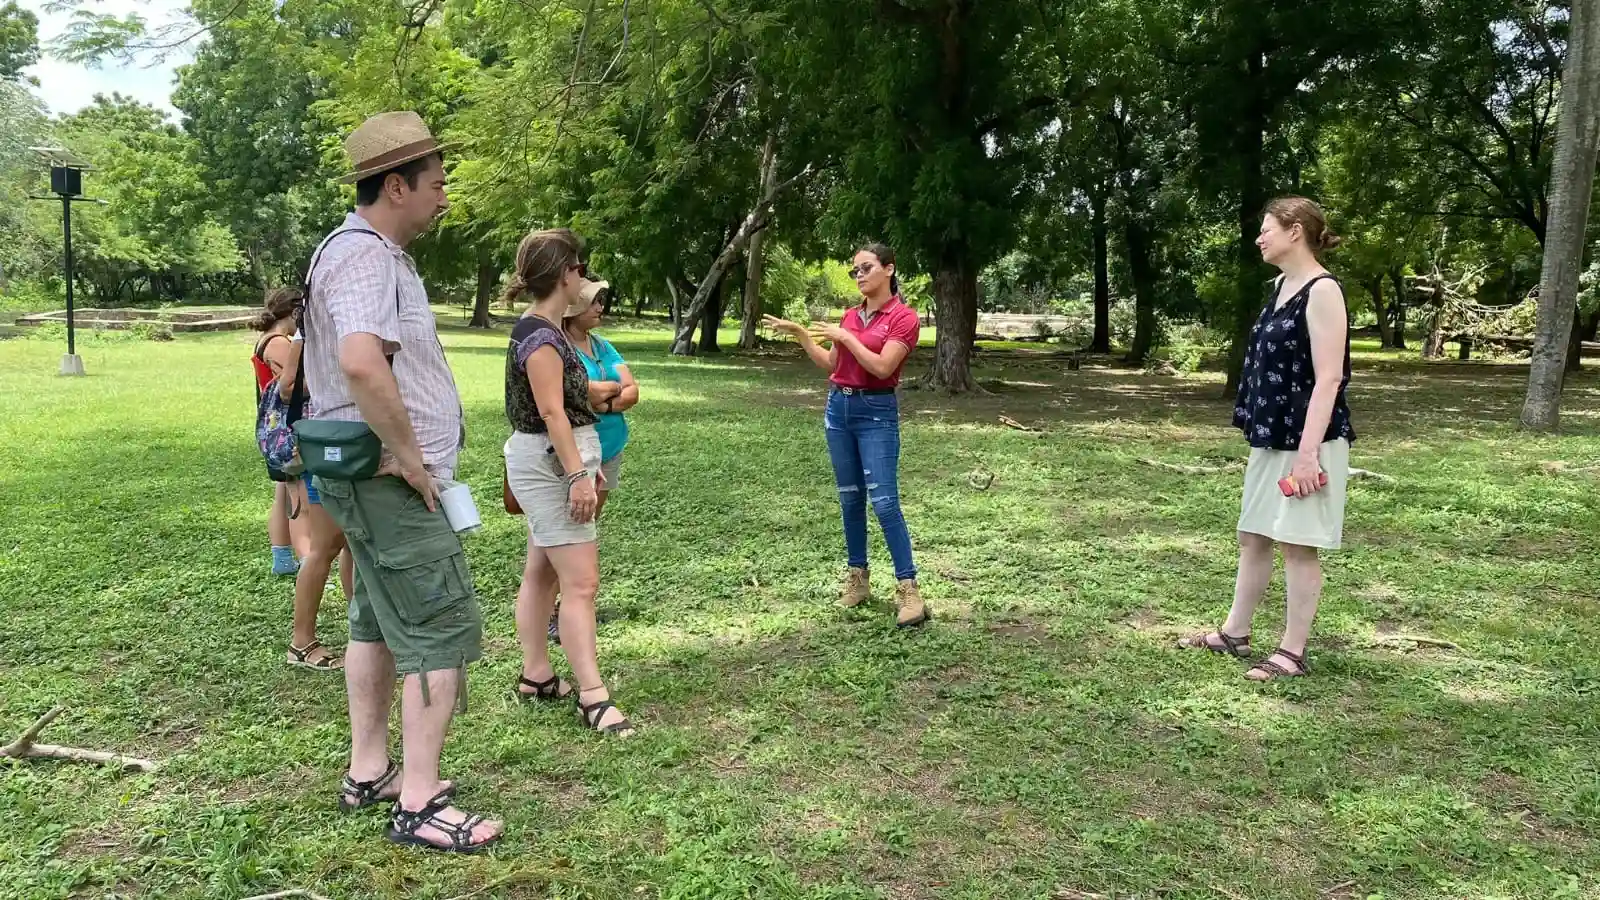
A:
x: 863, y: 269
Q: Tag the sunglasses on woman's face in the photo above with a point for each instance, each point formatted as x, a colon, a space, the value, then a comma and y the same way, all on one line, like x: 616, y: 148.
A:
x: 863, y: 269
x: 583, y: 269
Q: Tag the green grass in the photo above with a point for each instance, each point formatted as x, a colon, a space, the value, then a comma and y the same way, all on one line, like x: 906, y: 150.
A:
x: 1040, y: 735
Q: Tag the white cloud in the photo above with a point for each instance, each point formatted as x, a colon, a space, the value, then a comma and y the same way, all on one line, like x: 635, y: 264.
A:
x: 68, y: 87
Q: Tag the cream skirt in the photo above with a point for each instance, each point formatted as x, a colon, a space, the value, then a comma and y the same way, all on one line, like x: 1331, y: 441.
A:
x: 537, y: 483
x: 1314, y: 521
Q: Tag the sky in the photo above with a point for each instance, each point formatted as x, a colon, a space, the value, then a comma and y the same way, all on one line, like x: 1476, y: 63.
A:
x: 67, y: 87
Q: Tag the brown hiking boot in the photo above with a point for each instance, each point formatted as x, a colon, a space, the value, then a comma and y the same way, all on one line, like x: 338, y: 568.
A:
x: 857, y: 589
x: 913, y: 611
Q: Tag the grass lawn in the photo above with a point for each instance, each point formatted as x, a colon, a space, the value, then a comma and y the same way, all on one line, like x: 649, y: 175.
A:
x: 1040, y: 739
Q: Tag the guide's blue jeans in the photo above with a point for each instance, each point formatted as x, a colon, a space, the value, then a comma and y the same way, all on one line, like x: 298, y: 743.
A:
x: 864, y: 444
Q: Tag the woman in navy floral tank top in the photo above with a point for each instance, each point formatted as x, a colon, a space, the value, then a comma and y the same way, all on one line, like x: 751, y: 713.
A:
x: 1291, y: 408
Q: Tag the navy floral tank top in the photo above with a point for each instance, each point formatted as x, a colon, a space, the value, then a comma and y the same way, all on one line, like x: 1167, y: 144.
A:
x: 1275, y: 387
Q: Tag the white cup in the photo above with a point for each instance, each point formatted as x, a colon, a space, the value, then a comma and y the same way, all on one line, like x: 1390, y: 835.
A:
x: 459, y: 510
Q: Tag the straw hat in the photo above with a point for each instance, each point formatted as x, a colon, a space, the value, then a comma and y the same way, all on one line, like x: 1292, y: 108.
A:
x: 387, y: 141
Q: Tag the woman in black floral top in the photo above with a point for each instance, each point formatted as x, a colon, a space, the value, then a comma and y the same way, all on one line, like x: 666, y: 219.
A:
x: 1291, y: 408
x: 552, y: 464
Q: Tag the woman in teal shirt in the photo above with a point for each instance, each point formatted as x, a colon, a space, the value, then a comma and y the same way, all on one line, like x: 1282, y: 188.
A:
x: 612, y: 391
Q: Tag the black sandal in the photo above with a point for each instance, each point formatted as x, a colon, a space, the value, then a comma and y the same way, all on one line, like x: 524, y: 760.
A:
x: 1237, y: 647
x: 550, y: 689
x: 370, y: 793
x: 404, y: 825
x: 1275, y: 671
x: 330, y: 662
x: 592, y: 713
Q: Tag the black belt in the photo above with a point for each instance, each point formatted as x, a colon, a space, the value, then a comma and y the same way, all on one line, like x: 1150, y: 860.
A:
x: 870, y: 392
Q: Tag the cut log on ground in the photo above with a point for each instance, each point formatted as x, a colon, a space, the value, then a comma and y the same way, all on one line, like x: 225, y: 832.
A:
x: 25, y: 748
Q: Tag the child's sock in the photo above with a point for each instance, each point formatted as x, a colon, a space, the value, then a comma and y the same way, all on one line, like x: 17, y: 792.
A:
x: 283, y: 561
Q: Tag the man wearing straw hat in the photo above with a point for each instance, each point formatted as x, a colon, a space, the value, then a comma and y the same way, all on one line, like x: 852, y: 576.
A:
x: 373, y: 359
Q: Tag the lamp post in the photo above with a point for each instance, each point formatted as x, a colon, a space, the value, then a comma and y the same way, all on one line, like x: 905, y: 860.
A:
x: 66, y: 183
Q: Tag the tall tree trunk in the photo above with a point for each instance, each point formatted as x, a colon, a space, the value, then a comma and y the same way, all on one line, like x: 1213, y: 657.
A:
x: 1397, y: 279
x: 1433, y: 344
x: 749, y: 338
x: 711, y: 319
x: 1249, y: 275
x: 955, y: 291
x: 1143, y: 270
x: 1575, y: 342
x: 673, y: 313
x: 1381, y: 310
x: 683, y: 331
x: 488, y: 278
x: 1571, y: 184
x: 1102, y: 273
x: 258, y: 270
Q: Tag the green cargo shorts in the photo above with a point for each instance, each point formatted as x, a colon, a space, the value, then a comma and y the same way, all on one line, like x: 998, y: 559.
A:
x: 413, y: 591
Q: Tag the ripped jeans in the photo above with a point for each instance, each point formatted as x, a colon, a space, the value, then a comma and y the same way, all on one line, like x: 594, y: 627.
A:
x: 864, y: 444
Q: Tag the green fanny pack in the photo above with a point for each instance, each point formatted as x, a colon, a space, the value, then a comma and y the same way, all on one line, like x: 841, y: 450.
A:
x: 338, y: 451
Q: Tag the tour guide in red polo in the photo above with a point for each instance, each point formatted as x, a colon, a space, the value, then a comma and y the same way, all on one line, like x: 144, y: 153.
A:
x: 863, y: 421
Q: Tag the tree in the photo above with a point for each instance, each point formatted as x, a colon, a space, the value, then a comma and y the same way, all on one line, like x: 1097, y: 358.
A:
x: 1254, y: 72
x: 19, y: 40
x: 930, y: 146
x: 1571, y: 189
x: 155, y: 226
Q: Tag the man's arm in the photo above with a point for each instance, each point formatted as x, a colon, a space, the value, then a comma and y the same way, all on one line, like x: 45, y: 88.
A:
x: 377, y: 395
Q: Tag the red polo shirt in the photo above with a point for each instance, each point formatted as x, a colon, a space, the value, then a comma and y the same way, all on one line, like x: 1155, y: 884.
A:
x: 894, y: 322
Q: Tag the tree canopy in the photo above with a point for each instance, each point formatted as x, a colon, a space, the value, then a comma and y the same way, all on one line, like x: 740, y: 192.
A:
x: 1102, y: 158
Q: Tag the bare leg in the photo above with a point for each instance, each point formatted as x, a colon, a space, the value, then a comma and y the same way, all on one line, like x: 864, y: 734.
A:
x: 1303, y: 572
x: 535, y: 599
x: 578, y: 570
x: 1255, y: 573
x: 423, y: 727
x: 327, y: 542
x: 278, y: 518
x: 369, y: 683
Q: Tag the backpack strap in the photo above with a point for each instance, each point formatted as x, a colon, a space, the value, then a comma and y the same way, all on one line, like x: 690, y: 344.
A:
x: 297, y: 394
x: 261, y: 348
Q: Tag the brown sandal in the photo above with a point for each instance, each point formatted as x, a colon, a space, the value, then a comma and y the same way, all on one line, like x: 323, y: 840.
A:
x: 1237, y: 647
x: 1275, y: 671
x: 300, y: 657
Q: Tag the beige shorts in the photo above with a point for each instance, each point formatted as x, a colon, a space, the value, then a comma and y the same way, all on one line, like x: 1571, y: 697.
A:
x: 540, y: 487
x: 612, y: 469
x: 1314, y: 521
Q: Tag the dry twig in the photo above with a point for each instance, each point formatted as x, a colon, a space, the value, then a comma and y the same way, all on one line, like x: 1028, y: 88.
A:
x: 25, y: 748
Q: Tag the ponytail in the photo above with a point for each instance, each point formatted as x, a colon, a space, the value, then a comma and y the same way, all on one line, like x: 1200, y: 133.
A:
x: 894, y: 286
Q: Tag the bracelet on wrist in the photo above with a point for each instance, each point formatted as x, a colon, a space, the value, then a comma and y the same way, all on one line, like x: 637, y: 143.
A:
x: 577, y: 476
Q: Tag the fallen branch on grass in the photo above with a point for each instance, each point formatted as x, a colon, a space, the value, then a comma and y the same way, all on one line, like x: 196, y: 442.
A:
x: 1013, y: 423
x: 1557, y: 467
x: 285, y: 895
x: 25, y: 748
x: 1239, y: 467
x: 1393, y: 639
x: 1194, y: 470
x: 1365, y: 473
x: 1070, y: 894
